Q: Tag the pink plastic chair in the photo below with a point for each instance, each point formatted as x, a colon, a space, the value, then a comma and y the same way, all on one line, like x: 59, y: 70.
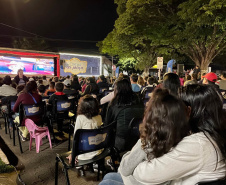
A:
x: 38, y: 133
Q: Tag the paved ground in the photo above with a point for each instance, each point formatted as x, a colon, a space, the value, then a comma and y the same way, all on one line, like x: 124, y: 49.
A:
x: 40, y: 167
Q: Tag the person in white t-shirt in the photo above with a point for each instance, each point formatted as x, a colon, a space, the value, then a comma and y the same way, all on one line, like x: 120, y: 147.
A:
x: 88, y: 118
x: 199, y: 157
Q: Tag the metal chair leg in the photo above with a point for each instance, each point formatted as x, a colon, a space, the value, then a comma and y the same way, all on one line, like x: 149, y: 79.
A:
x: 14, y: 134
x: 21, y: 150
x: 66, y: 176
x: 56, y: 171
x: 69, y: 138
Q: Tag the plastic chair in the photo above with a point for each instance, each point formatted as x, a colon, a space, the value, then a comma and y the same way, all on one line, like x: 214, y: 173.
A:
x: 37, y: 133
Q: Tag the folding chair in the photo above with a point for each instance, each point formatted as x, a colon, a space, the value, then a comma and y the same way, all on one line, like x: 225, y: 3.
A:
x: 60, y: 112
x: 89, y: 140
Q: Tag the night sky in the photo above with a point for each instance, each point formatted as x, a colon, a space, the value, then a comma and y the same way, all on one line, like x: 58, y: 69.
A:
x: 88, y: 20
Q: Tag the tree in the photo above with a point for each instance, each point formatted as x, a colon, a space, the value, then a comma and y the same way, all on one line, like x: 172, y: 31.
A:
x: 170, y: 28
x: 30, y: 44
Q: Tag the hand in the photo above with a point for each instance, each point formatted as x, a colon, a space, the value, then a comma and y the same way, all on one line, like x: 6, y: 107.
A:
x: 70, y: 159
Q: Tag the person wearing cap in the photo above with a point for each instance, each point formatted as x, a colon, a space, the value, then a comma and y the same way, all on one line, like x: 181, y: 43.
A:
x: 67, y: 87
x: 210, y: 79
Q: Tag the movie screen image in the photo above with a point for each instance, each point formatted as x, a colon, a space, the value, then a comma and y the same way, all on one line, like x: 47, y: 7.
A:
x: 30, y: 66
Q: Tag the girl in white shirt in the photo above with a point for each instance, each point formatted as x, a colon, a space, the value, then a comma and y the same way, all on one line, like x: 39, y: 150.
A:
x: 88, y: 117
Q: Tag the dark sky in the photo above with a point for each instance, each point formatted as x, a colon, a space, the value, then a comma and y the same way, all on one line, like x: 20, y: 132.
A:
x: 59, y: 19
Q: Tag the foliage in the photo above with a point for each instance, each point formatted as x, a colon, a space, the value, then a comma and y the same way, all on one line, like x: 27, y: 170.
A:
x: 31, y: 44
x: 146, y: 29
x: 5, y: 168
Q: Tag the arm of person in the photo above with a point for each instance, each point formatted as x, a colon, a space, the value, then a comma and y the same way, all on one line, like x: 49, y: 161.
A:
x: 184, y: 160
x: 107, y: 98
x: 17, y: 104
x: 132, y: 159
x: 78, y: 124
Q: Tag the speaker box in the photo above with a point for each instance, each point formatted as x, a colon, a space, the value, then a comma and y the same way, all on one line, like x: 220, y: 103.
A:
x: 180, y: 68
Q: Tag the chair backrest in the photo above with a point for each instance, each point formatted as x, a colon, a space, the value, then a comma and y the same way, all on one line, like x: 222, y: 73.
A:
x: 10, y: 106
x: 61, y: 108
x: 88, y: 140
x: 106, y: 92
x: 217, y: 182
x: 63, y: 105
x: 50, y: 93
x: 101, y: 90
x: 148, y: 91
x: 32, y: 110
x: 31, y: 126
x: 134, y: 127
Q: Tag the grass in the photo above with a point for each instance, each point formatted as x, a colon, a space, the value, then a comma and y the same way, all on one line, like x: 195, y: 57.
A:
x: 4, y: 168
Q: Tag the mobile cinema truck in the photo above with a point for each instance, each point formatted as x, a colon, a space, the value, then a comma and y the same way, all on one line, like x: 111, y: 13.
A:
x: 84, y: 65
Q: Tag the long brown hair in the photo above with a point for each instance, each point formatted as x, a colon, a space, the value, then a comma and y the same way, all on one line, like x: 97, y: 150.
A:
x: 165, y: 123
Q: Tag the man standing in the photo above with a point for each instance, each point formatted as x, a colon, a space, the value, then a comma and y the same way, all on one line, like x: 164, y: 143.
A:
x: 20, y: 79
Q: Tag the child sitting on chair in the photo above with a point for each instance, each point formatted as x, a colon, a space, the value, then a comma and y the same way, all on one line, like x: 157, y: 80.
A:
x: 88, y: 118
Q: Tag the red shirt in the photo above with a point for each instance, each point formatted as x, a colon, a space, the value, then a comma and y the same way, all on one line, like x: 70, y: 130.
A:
x: 26, y: 98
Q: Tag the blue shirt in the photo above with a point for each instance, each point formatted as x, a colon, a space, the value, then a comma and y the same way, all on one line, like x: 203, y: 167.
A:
x: 135, y: 87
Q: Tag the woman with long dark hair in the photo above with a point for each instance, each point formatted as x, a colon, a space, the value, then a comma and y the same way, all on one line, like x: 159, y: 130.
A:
x: 91, y: 88
x: 75, y: 83
x: 171, y: 82
x: 123, y: 107
x: 199, y: 157
x: 165, y: 125
x: 88, y: 117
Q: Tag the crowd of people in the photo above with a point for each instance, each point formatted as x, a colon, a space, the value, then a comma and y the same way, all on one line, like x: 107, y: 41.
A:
x: 182, y: 140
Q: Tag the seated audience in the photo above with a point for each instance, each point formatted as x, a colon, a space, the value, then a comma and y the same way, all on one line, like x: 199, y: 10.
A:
x: 28, y: 97
x: 91, y: 88
x: 51, y: 88
x: 6, y: 89
x: 165, y: 125
x: 193, y: 80
x: 75, y: 83
x: 222, y: 82
x: 102, y: 84
x: 210, y: 79
x: 58, y: 95
x: 141, y: 82
x: 45, y: 82
x: 133, y: 80
x: 171, y: 82
x: 67, y: 88
x: 41, y: 90
x: 199, y: 157
x: 124, y: 98
x: 88, y: 118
